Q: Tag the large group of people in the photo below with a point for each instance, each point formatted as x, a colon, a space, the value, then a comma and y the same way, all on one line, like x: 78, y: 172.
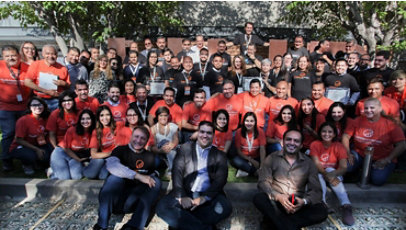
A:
x: 299, y: 123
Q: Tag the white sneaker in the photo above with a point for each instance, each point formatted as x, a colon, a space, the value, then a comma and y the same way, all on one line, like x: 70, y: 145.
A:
x: 241, y: 173
x: 49, y: 172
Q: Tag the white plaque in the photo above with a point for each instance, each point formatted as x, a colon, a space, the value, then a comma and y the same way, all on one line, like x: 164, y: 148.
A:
x: 46, y: 81
x: 156, y: 87
x: 338, y: 94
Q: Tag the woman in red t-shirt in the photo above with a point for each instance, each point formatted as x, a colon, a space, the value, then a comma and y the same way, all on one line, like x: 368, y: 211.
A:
x: 337, y: 115
x: 309, y: 121
x: 62, y: 118
x: 133, y: 120
x: 102, y: 143
x: 129, y: 92
x: 73, y: 150
x: 250, y: 143
x: 330, y: 158
x: 31, y: 144
x: 285, y: 120
x: 222, y: 135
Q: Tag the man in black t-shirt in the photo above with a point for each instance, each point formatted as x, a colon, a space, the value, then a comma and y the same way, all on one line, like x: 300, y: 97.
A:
x: 132, y: 186
x: 221, y: 50
x: 252, y: 61
x: 215, y: 77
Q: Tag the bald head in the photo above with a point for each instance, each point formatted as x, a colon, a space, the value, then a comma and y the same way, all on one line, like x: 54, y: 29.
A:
x: 282, y: 89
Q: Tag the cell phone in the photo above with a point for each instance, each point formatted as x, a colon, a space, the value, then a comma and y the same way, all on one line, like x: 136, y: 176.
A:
x: 293, y: 199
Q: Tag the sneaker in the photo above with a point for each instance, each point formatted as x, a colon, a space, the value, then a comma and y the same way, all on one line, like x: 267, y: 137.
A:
x: 241, y: 173
x: 97, y: 227
x: 127, y: 227
x: 49, y: 172
x: 347, y: 217
x: 8, y: 165
x: 28, y: 170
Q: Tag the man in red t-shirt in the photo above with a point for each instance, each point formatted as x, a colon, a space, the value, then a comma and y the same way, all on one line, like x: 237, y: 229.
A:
x: 118, y: 108
x: 321, y: 102
x: 13, y: 99
x: 228, y: 101
x: 83, y: 100
x: 193, y: 114
x: 281, y: 99
x: 47, y: 68
x: 175, y: 111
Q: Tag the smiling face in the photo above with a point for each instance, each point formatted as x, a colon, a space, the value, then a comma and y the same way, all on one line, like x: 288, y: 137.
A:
x: 298, y: 42
x: 375, y: 90
x: 292, y: 142
x: 133, y: 58
x: 337, y: 113
x: 187, y: 64
x: 399, y: 82
x: 372, y: 110
x: 129, y: 87
x: 341, y: 67
x: 228, y: 90
x: 163, y: 118
x: 282, y: 89
x: 67, y: 103
x: 302, y: 63
x: 132, y: 117
x: 86, y: 121
x: 82, y: 91
x: 286, y: 115
x: 11, y: 57
x: 249, y: 123
x: 169, y: 97
x: 103, y: 63
x: 249, y: 28
x: 307, y: 106
x: 114, y: 94
x: 221, y: 121
x: 105, y: 117
x: 199, y: 99
x: 217, y: 62
x: 153, y: 59
x: 29, y: 50
x: 318, y: 91
x: 237, y: 63
x: 36, y: 107
x: 138, y: 139
x: 49, y: 54
x: 278, y: 62
x: 255, y: 88
x: 327, y: 133
x: 205, y: 136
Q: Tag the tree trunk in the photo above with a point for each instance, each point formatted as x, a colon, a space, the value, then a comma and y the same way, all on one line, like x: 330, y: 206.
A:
x: 77, y: 37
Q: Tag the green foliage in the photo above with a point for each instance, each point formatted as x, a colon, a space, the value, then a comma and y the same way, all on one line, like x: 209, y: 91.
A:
x: 95, y: 20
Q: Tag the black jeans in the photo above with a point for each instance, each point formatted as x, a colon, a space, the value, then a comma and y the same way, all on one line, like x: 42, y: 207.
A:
x: 275, y: 212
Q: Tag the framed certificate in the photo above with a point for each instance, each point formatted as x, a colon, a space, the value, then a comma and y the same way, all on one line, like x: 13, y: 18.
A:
x: 338, y: 94
x: 46, y: 81
x: 156, y: 87
x: 246, y: 82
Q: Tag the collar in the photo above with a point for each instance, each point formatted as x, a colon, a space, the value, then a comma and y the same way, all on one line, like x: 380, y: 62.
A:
x: 217, y: 71
x: 300, y: 155
x: 113, y: 103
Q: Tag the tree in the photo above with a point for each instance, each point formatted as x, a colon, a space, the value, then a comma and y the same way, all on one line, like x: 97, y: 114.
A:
x: 83, y: 21
x: 378, y: 24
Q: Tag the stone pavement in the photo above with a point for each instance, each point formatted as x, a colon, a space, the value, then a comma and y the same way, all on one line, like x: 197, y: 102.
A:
x: 55, y: 212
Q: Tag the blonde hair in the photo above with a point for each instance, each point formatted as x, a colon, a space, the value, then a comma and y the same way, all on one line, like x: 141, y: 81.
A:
x: 108, y: 72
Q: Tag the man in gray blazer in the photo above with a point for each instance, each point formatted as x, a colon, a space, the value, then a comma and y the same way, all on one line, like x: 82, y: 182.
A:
x: 199, y: 174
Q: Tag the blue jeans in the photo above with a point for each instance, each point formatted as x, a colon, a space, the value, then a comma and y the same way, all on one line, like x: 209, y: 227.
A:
x: 202, y: 218
x: 119, y: 195
x: 339, y: 189
x: 30, y: 158
x: 96, y: 169
x: 52, y: 103
x: 65, y: 167
x: 240, y: 163
x: 270, y: 148
x: 377, y: 176
x: 8, y: 120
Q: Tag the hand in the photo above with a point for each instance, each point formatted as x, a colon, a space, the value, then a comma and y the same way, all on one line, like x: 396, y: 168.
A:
x: 350, y: 159
x: 197, y: 201
x: 334, y: 181
x: 380, y: 164
x: 59, y: 82
x: 299, y: 204
x: 283, y: 199
x: 52, y: 93
x: 40, y: 153
x: 251, y: 56
x: 83, y: 159
x: 185, y: 202
x: 254, y: 163
x: 145, y: 179
x: 167, y: 147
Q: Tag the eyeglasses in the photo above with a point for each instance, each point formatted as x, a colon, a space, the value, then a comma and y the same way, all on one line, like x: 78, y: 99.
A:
x: 67, y: 100
x: 114, y: 63
x: 36, y: 105
x: 29, y: 48
x: 132, y: 115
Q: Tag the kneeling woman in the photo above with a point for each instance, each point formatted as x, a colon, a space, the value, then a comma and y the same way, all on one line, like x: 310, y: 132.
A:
x: 132, y: 186
x: 250, y: 142
x: 102, y: 142
x: 73, y: 150
x: 31, y: 144
x: 330, y: 158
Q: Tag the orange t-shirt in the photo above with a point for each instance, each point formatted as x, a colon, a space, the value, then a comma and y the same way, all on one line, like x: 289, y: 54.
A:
x: 400, y: 97
x: 276, y: 104
x: 308, y: 137
x: 389, y: 105
x: 29, y: 129
x: 10, y: 90
x: 91, y: 103
x: 194, y: 115
x: 232, y: 105
x: 128, y: 99
x: 109, y: 140
x: 124, y: 136
x: 220, y: 139
x: 57, y: 69
x: 119, y: 111
x: 242, y: 143
x: 58, y: 125
x: 276, y: 130
x: 381, y: 134
x: 174, y: 110
x: 340, y: 130
x: 74, y: 141
x: 259, y: 105
x: 328, y: 157
x: 322, y: 105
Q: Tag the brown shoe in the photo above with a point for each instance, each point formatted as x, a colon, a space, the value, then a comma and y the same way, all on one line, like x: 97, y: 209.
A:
x: 346, y: 212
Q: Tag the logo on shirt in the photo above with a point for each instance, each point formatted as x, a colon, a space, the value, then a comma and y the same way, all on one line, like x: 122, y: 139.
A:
x: 70, y: 122
x: 196, y: 117
x: 139, y: 164
x: 368, y: 133
x: 229, y: 107
x: 40, y: 129
x: 337, y: 83
x: 279, y: 106
x: 109, y: 136
x: 84, y: 141
x: 117, y: 114
x: 324, y: 157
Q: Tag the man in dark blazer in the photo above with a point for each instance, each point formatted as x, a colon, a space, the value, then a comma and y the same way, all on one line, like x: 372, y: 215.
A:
x: 199, y: 173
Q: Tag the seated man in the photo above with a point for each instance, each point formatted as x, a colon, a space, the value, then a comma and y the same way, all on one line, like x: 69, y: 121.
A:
x: 132, y: 186
x: 384, y: 136
x: 286, y: 176
x: 199, y: 174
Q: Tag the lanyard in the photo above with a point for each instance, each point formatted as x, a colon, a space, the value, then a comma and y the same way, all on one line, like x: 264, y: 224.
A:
x: 239, y: 77
x: 16, y: 77
x: 143, y: 111
x: 186, y: 78
x: 135, y: 70
x: 247, y: 41
x: 250, y: 142
x: 203, y: 72
x: 153, y: 74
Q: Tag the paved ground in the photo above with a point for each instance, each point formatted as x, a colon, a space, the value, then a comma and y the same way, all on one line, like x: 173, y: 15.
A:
x: 37, y: 214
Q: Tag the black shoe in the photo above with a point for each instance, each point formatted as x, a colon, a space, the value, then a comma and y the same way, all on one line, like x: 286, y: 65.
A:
x: 128, y: 227
x: 8, y: 165
x: 97, y: 227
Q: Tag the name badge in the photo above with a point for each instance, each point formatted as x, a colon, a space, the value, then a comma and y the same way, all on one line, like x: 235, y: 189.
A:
x: 19, y: 97
x: 41, y: 140
x: 187, y: 90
